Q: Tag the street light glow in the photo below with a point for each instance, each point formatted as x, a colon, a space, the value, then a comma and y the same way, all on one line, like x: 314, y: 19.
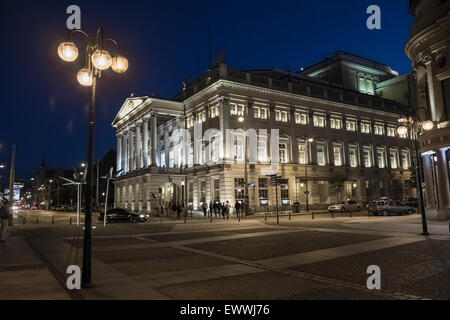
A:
x: 85, y: 77
x: 119, y: 64
x: 402, y: 130
x: 427, y: 125
x: 101, y: 59
x: 241, y: 119
x: 68, y: 51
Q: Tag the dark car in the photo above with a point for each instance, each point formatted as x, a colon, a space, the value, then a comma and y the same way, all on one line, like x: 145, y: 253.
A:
x: 413, y: 202
x: 389, y: 207
x: 122, y: 215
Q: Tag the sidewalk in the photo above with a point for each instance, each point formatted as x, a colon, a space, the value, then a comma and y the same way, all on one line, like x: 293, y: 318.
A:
x: 23, y: 275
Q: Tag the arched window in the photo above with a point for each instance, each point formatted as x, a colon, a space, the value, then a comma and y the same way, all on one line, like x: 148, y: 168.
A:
x: 393, y: 157
x: 406, y: 162
x: 284, y: 150
x: 353, y: 154
x: 338, y: 154
x: 367, y: 156
x: 321, y: 152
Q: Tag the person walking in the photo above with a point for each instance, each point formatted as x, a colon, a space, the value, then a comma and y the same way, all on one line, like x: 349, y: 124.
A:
x: 227, y: 206
x: 4, y: 217
x: 223, y: 210
x: 237, y: 206
x: 178, y: 211
x: 211, y: 208
x: 205, y: 208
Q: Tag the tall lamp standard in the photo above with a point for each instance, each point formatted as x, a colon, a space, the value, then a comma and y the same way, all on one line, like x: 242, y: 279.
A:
x: 97, y: 60
x: 417, y: 127
x: 308, y: 146
x: 246, y: 197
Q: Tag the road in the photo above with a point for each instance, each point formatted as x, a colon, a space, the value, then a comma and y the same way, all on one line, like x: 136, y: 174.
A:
x: 300, y: 258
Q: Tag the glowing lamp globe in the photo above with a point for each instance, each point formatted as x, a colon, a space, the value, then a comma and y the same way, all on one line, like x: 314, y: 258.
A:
x: 68, y: 51
x: 85, y: 77
x: 119, y: 64
x: 402, y: 130
x: 101, y: 59
x: 427, y: 125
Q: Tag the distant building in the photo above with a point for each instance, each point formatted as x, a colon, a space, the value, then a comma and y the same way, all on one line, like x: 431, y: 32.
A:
x: 429, y: 50
x: 333, y: 102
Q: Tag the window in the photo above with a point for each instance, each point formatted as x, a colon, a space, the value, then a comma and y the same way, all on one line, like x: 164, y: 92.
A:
x: 239, y: 147
x: 336, y: 122
x: 201, y: 116
x: 263, y: 182
x: 302, y: 152
x: 189, y: 122
x: 301, y: 118
x: 381, y: 158
x: 393, y: 158
x: 365, y: 127
x: 367, y: 151
x: 284, y: 155
x: 350, y: 124
x: 405, y: 159
x: 214, y: 149
x: 379, y: 129
x: 216, y: 189
x: 319, y: 120
x: 321, y: 154
x: 284, y: 192
x: 260, y: 112
x: 391, y: 131
x: 370, y: 89
x: 362, y: 84
x: 214, y: 112
x: 237, y: 109
x: 337, y: 152
x: 163, y: 158
x: 202, y: 191
x: 353, y: 155
x: 263, y: 194
x: 281, y: 116
x: 239, y: 185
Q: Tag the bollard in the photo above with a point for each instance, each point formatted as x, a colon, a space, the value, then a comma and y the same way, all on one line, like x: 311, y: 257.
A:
x: 290, y: 215
x: 265, y: 215
x: 351, y: 216
x: 37, y: 220
x: 313, y: 215
x: 53, y: 220
x: 70, y: 221
x: 185, y: 216
x: 24, y: 220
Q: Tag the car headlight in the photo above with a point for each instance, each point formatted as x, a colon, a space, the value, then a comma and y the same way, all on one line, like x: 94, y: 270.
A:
x: 142, y: 216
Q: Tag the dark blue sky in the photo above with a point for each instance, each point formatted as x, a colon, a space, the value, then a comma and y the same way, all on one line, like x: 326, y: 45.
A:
x: 44, y: 109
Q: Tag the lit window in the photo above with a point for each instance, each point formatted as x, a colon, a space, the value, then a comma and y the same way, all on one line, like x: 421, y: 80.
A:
x: 262, y: 149
x: 215, y: 149
x: 321, y: 155
x: 302, y: 153
x: 171, y: 159
x: 319, y: 120
x: 378, y: 129
x: 362, y: 84
x: 405, y: 159
x: 353, y: 156
x: 370, y: 89
x: 189, y: 122
x: 391, y: 131
x: 393, y: 158
x: 201, y: 116
x: 260, y: 112
x: 281, y: 116
x: 284, y: 156
x: 350, y: 125
x: 337, y: 152
x: 336, y: 122
x: 365, y: 127
x: 380, y: 158
x: 301, y: 118
x: 239, y: 147
x: 367, y: 157
x: 237, y: 110
x: 214, y: 112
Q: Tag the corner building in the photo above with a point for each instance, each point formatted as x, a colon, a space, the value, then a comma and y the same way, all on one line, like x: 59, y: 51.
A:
x: 356, y: 152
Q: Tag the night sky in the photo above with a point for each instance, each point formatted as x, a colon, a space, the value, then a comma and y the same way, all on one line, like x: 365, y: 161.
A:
x: 44, y: 110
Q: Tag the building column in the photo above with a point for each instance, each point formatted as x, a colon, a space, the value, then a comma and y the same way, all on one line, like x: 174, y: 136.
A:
x: 125, y: 153
x: 145, y: 149
x: 154, y: 130
x: 138, y: 153
x: 443, y: 184
x: 130, y: 151
x: 119, y: 153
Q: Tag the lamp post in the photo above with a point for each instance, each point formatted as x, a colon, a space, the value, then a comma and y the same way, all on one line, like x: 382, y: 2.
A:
x: 308, y: 145
x: 417, y: 127
x: 97, y: 60
x: 246, y: 197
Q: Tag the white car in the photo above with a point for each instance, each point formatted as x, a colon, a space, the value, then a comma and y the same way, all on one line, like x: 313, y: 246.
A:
x: 345, y: 206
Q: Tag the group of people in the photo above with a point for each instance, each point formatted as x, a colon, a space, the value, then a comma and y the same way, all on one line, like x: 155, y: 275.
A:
x: 175, y: 207
x: 5, y: 214
x: 223, y: 209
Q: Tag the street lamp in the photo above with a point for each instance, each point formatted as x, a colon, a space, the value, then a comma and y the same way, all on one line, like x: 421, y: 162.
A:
x: 417, y: 127
x: 97, y: 59
x: 241, y: 119
x: 308, y: 146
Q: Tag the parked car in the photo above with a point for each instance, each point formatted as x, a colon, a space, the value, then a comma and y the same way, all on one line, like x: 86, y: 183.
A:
x: 413, y: 202
x: 122, y: 215
x: 345, y: 206
x: 387, y: 208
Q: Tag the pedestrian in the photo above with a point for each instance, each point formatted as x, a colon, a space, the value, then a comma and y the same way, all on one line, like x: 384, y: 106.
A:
x: 205, y: 208
x: 216, y: 209
x: 211, y: 208
x: 4, y: 216
x: 223, y: 209
x: 161, y: 210
x: 178, y: 211
x: 227, y: 206
x: 237, y: 206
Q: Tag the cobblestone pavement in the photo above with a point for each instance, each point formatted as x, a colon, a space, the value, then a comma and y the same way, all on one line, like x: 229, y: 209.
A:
x: 301, y: 258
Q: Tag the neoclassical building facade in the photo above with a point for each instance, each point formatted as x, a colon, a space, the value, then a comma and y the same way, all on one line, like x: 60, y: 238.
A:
x: 331, y: 141
x: 429, y: 50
